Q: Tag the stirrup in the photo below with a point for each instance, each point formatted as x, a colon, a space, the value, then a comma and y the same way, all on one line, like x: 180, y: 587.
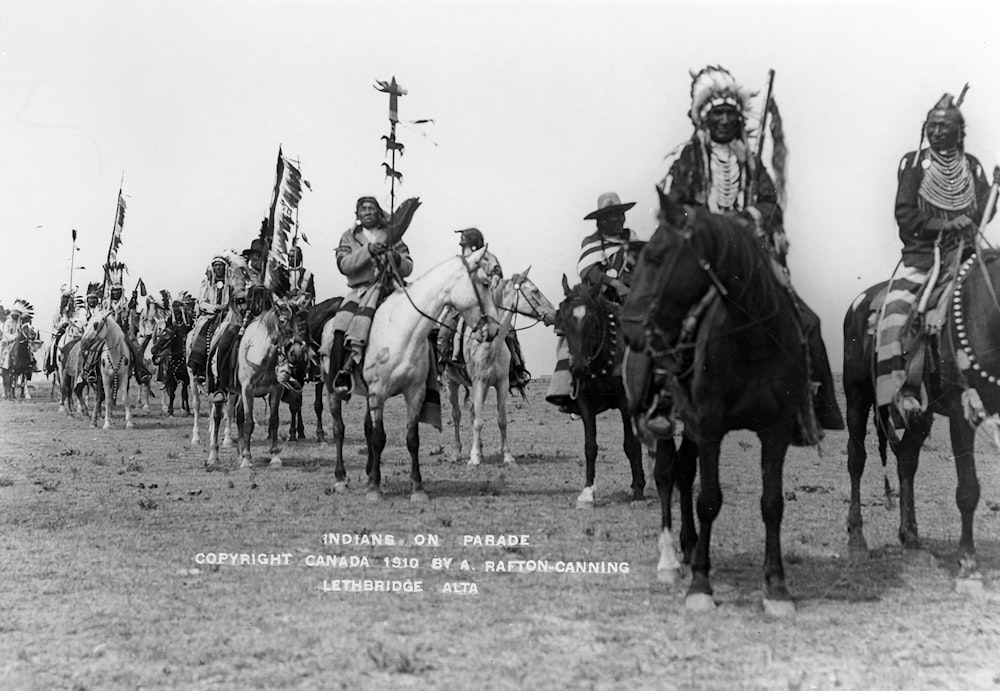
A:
x: 343, y: 382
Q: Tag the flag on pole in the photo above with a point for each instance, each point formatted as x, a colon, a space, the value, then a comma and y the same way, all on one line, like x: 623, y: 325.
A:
x: 284, y: 204
x: 116, y: 234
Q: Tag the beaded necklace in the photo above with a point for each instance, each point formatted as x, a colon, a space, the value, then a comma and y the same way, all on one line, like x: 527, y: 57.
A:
x: 726, y: 176
x: 947, y: 182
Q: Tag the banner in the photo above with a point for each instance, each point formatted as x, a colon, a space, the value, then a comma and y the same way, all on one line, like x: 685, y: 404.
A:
x: 116, y: 234
x: 282, y: 220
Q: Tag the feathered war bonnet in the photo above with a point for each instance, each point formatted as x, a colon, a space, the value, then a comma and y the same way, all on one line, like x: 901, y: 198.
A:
x: 94, y: 289
x: 24, y: 308
x: 715, y: 86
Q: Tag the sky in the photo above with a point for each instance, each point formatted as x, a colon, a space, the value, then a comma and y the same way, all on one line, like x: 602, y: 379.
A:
x: 537, y: 108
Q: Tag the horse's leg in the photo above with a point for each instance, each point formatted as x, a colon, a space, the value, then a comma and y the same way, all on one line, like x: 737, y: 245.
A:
x: 668, y: 567
x: 774, y: 443
x: 215, y: 421
x: 456, y: 419
x: 501, y: 389
x: 685, y: 471
x: 633, y: 451
x: 194, y: 402
x: 414, y: 402
x: 273, y: 423
x: 318, y: 409
x: 699, y: 594
x: 227, y: 435
x: 127, y: 403
x: 907, y: 460
x: 300, y: 427
x: 246, y: 434
x: 589, y: 417
x: 337, y: 427
x: 860, y: 399
x: 478, y: 398
x: 963, y: 437
x: 375, y: 431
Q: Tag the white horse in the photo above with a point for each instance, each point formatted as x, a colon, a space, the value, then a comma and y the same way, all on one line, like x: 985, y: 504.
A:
x: 197, y: 387
x: 255, y: 372
x: 487, y: 364
x: 398, y: 357
x: 116, y: 363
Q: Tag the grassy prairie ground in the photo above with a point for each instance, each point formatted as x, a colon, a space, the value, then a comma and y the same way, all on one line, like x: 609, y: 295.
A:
x: 107, y: 538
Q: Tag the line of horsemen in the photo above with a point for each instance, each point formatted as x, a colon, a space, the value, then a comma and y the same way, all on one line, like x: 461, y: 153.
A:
x: 941, y: 198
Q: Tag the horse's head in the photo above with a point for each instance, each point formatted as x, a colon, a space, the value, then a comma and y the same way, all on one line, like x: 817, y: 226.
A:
x: 691, y: 250
x: 472, y: 297
x: 587, y: 320
x: 520, y: 294
x: 97, y: 327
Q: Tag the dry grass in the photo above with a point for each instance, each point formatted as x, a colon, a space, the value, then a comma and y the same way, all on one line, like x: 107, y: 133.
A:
x: 99, y: 532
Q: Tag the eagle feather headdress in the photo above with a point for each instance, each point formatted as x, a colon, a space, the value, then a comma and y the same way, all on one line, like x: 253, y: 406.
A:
x: 713, y: 86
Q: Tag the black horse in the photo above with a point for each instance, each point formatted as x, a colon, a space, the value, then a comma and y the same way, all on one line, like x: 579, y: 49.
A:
x: 17, y: 375
x: 742, y: 366
x: 589, y: 322
x: 168, y: 355
x: 963, y: 382
x: 316, y: 318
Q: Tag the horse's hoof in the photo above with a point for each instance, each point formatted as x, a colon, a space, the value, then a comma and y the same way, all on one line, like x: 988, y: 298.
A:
x: 970, y: 585
x: 246, y: 463
x: 699, y: 602
x: 374, y: 496
x: 211, y: 467
x: 585, y: 503
x: 420, y: 497
x: 668, y: 576
x: 275, y: 462
x: 473, y: 462
x: 509, y: 460
x: 858, y: 554
x: 106, y: 426
x: 340, y: 486
x: 781, y: 609
x: 226, y: 443
x: 129, y: 425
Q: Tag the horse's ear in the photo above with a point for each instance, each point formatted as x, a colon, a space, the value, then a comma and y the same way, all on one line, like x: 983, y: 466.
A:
x: 565, y: 285
x: 524, y: 274
x: 672, y: 212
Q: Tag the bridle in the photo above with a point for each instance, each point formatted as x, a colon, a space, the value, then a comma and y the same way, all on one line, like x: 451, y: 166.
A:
x: 603, y: 342
x: 484, y: 318
x: 535, y: 307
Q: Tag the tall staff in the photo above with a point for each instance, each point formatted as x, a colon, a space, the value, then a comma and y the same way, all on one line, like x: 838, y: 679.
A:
x: 72, y: 259
x: 395, y: 91
x: 755, y: 183
x: 116, y: 235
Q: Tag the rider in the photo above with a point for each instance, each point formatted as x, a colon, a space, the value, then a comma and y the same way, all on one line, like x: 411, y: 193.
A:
x: 213, y: 300
x: 449, y: 339
x: 372, y: 268
x: 607, y: 257
x: 940, y: 200
x: 19, y: 317
x: 65, y: 321
x: 300, y: 279
x: 123, y: 311
x: 718, y: 169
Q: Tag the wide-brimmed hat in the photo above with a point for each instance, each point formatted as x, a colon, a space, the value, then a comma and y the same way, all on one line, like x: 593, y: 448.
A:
x: 473, y: 237
x: 607, y: 204
x: 256, y: 247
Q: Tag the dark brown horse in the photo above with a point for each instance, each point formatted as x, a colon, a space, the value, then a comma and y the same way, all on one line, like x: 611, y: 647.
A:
x: 742, y: 367
x: 589, y: 322
x: 168, y: 354
x: 18, y: 372
x: 962, y: 384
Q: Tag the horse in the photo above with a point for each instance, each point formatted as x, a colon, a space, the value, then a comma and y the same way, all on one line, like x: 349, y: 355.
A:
x: 589, y: 322
x: 741, y: 366
x: 167, y: 354
x: 398, y: 358
x: 18, y: 358
x: 115, y: 364
x: 487, y: 364
x: 197, y: 388
x: 256, y: 355
x: 318, y: 316
x: 963, y: 385
x: 71, y: 380
x: 149, y: 324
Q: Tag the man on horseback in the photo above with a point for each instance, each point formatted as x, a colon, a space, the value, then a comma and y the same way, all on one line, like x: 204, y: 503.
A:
x: 718, y: 169
x: 607, y: 257
x: 18, y: 317
x: 64, y: 322
x: 373, y: 269
x: 940, y: 201
x: 449, y: 339
x: 124, y: 310
x: 224, y: 275
x: 300, y: 279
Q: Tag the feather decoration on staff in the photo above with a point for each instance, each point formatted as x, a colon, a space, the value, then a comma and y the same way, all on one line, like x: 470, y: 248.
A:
x: 401, y: 218
x: 779, y: 153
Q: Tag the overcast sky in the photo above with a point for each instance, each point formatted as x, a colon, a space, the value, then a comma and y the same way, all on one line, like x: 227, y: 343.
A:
x: 538, y: 108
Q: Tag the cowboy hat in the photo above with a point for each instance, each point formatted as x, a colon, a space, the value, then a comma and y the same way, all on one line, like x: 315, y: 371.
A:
x: 608, y: 203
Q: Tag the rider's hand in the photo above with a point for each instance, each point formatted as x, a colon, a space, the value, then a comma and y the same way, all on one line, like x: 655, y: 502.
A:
x: 619, y: 286
x: 376, y: 249
x: 960, y: 223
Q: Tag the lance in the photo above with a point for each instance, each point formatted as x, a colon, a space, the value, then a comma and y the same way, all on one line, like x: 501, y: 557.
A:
x: 760, y: 141
x: 111, y: 246
x: 72, y: 259
x: 395, y: 91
